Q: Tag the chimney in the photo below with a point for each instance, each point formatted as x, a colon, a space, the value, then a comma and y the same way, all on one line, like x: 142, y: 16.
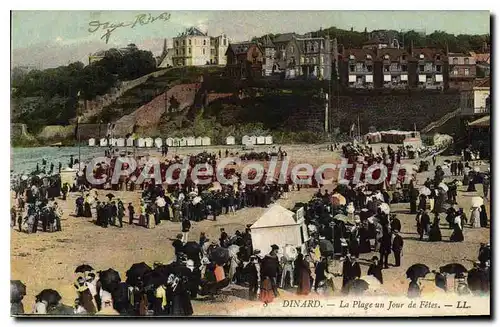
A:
x: 410, y: 50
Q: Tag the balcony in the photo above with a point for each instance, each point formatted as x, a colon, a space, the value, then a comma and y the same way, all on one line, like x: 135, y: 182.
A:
x: 468, y: 111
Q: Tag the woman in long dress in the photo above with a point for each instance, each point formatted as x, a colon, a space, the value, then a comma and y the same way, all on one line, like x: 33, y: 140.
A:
x: 483, y: 217
x: 457, y: 235
x: 304, y: 275
x: 475, y: 220
x: 266, y: 290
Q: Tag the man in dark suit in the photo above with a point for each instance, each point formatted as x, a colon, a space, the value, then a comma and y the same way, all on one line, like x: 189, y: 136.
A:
x: 130, y: 213
x: 395, y: 223
x: 223, y: 238
x: 375, y: 270
x: 385, y: 247
x: 397, y: 247
x: 186, y: 226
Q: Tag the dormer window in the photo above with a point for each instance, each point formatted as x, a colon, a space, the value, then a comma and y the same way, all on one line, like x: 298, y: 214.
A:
x: 368, y: 56
x: 438, y: 57
x: 386, y: 57
x: 351, y: 57
x: 421, y: 56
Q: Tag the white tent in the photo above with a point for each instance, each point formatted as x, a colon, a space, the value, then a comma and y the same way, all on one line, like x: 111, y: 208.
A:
x: 198, y: 141
x: 141, y: 142
x: 149, y: 142
x: 92, y: 142
x: 205, y: 141
x: 120, y: 142
x: 190, y: 141
x: 230, y: 140
x: 269, y: 139
x: 169, y: 141
x: 278, y: 226
x: 130, y: 141
x: 103, y: 142
x: 158, y: 142
x: 261, y: 140
x: 183, y: 141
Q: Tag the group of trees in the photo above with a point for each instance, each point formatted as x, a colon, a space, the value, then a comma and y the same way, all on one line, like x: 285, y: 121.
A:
x: 50, y: 96
x: 456, y: 43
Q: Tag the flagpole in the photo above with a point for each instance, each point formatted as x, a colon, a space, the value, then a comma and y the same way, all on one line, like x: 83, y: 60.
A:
x: 359, y: 131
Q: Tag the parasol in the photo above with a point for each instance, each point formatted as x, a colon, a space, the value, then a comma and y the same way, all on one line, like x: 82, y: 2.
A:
x: 340, y: 199
x: 372, y: 281
x: 83, y: 268
x: 358, y: 286
x: 193, y: 193
x: 290, y: 252
x: 340, y: 217
x: 325, y: 247
x: 196, y: 200
x: 51, y: 296
x: 425, y: 191
x: 110, y: 196
x: 443, y: 186
x: 160, y: 202
x: 219, y: 255
x: 477, y: 202
x: 416, y: 271
x: 137, y: 272
x: 311, y: 228
x: 17, y: 291
x: 385, y: 208
x: 192, y: 249
x: 110, y: 279
x: 24, y: 177
x: 453, y: 268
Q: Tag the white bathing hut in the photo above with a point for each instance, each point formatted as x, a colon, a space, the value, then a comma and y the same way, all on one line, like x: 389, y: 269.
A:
x: 141, y: 143
x: 246, y: 140
x: 261, y: 140
x: 120, y: 142
x: 205, y: 141
x: 253, y: 140
x: 183, y: 141
x: 170, y: 141
x: 158, y: 142
x: 190, y: 141
x: 103, y: 142
x: 269, y: 139
x: 130, y: 141
x: 230, y: 140
x: 198, y: 141
x: 149, y: 142
x: 92, y: 142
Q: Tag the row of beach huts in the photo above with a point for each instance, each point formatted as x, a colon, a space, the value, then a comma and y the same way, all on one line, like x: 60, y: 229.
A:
x: 158, y: 142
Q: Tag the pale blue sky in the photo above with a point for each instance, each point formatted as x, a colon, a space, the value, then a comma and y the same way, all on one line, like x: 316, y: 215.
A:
x: 49, y: 38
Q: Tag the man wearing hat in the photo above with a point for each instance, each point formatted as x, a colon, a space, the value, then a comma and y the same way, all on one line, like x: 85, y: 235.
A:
x: 397, y: 247
x: 223, y: 238
x: 186, y: 226
x: 177, y: 244
x: 131, y: 212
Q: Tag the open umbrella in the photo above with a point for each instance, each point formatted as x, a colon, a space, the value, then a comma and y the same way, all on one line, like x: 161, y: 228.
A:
x: 51, y: 296
x: 83, y: 268
x: 325, y: 247
x: 340, y: 217
x: 17, y: 291
x: 425, y: 191
x: 219, y: 255
x: 192, y: 249
x: 385, y: 208
x: 110, y: 279
x: 416, y: 271
x: 453, y: 268
x: 110, y: 196
x: 357, y: 286
x: 372, y: 281
x: 155, y: 278
x: 477, y: 202
x: 443, y: 186
x: 338, y: 199
x: 137, y: 272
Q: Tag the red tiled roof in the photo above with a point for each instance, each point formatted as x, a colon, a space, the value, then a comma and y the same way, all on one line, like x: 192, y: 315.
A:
x: 484, y: 82
x: 429, y: 53
x: 359, y: 54
x: 393, y: 53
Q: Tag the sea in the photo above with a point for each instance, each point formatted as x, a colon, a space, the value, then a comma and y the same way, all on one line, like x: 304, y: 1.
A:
x: 24, y: 160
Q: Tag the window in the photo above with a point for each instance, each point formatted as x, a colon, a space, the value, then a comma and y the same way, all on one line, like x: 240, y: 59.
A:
x: 352, y: 68
x: 386, y: 68
x: 455, y: 61
x: 204, y: 42
x: 203, y: 51
x: 177, y: 51
x: 369, y: 68
x: 404, y: 68
x: 189, y: 50
x: 225, y: 42
x: 403, y: 57
x: 176, y: 43
x: 466, y: 72
x: 438, y: 68
x: 189, y: 42
x: 183, y: 42
x: 421, y: 68
x: 321, y: 59
x: 455, y: 71
x: 438, y: 57
x: 466, y: 61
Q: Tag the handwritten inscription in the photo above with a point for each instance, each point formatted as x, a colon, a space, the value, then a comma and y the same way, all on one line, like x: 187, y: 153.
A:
x: 139, y: 20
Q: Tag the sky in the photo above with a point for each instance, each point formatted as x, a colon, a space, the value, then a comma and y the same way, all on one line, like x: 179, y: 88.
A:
x: 52, y: 38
